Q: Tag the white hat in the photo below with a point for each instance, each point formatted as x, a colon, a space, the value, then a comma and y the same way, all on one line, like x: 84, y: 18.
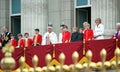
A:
x: 118, y: 24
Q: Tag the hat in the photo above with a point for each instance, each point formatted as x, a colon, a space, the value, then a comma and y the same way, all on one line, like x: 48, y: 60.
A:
x: 118, y: 24
x: 50, y: 25
x: 62, y: 25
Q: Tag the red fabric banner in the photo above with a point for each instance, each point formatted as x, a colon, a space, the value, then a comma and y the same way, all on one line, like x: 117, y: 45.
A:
x: 41, y: 52
x: 68, y: 50
x: 96, y: 46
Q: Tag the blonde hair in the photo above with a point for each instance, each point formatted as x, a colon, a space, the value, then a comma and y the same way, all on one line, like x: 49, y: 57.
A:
x: 86, y: 24
x: 98, y: 19
x: 75, y: 28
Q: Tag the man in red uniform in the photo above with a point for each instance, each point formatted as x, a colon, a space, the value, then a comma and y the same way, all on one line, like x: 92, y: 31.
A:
x: 37, y: 39
x: 27, y: 41
x: 13, y: 41
x: 65, y: 35
x: 88, y: 33
x: 20, y: 41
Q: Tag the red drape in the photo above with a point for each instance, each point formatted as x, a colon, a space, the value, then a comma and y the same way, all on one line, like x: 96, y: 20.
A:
x: 40, y: 51
x: 96, y: 46
x: 68, y: 50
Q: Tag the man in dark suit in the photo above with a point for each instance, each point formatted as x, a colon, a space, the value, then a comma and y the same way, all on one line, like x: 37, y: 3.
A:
x: 5, y: 36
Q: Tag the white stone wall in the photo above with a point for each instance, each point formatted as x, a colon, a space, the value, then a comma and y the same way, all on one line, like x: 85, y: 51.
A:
x: 61, y: 11
x: 108, y: 11
x: 34, y: 15
x: 4, y: 13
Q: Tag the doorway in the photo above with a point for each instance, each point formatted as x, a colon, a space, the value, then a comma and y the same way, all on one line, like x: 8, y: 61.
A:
x: 16, y: 25
x: 83, y: 15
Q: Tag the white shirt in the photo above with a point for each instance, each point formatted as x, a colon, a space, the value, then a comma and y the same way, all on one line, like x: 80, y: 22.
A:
x: 52, y: 37
x: 60, y: 37
x: 99, y: 30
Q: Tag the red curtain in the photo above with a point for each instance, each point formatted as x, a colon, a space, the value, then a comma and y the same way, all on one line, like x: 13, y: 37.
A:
x: 96, y: 46
x: 41, y: 52
x: 68, y: 50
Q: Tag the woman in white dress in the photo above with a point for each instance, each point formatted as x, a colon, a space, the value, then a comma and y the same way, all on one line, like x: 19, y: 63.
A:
x: 99, y: 30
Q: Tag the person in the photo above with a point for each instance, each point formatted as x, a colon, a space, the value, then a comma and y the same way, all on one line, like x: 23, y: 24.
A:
x: 60, y: 34
x: 99, y: 30
x: 27, y: 41
x: 88, y: 33
x: 80, y: 36
x: 0, y: 40
x: 49, y: 37
x: 75, y: 35
x: 13, y: 41
x: 66, y: 35
x: 37, y: 39
x: 84, y: 26
x: 117, y: 34
x: 6, y: 36
x: 20, y: 41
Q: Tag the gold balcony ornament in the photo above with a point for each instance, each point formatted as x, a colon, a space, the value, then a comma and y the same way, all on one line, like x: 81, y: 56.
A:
x: 35, y: 62
x: 48, y: 58
x: 89, y: 57
x: 75, y: 57
x: 103, y: 57
x: 62, y: 59
x: 117, y: 54
x: 22, y: 63
x: 8, y: 63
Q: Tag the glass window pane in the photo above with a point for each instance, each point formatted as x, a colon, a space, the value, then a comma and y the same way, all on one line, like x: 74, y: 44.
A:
x: 16, y: 6
x: 81, y: 2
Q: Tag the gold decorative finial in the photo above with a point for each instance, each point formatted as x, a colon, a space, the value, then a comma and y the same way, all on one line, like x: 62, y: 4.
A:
x: 89, y: 57
x: 48, y: 59
x: 8, y: 63
x: 75, y: 57
x: 103, y: 57
x: 35, y: 62
x: 62, y: 59
x: 117, y: 54
x: 22, y: 63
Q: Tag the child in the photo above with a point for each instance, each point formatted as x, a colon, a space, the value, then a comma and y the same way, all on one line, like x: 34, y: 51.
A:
x: 13, y: 41
x: 75, y: 34
x: 37, y: 39
x: 65, y: 35
x: 20, y: 41
x: 80, y: 36
x: 27, y: 41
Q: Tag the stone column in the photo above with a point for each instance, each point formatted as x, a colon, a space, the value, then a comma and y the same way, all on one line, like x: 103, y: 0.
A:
x: 4, y: 13
x: 33, y: 15
x: 61, y: 11
x: 107, y: 10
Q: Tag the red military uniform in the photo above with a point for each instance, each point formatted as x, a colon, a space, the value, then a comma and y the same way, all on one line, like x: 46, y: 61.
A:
x: 28, y: 42
x: 66, y: 37
x: 37, y: 39
x: 21, y: 43
x: 88, y: 35
x: 13, y: 42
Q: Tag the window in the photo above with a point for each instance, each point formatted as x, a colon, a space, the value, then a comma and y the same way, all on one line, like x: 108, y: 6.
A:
x: 82, y: 2
x: 16, y: 6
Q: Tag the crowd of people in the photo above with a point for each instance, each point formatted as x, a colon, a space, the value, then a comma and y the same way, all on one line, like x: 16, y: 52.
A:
x: 50, y: 37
